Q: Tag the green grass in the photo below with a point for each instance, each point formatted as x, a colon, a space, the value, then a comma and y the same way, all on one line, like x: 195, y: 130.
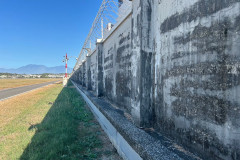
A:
x: 60, y: 135
x: 68, y: 130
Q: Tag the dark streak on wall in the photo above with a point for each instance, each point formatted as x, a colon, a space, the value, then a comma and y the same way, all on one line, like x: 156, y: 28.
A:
x: 145, y: 90
x: 100, y: 70
x: 200, y: 9
x: 84, y: 74
x: 108, y: 90
x: 122, y: 90
x: 123, y: 72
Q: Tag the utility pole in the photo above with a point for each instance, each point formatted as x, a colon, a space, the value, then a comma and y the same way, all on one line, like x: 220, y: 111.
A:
x: 66, y: 60
x: 65, y: 78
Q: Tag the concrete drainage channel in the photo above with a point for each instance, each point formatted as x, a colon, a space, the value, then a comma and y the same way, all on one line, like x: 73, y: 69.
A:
x: 122, y: 146
x: 131, y: 142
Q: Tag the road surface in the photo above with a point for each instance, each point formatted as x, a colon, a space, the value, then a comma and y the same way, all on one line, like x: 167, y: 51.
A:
x: 8, y: 93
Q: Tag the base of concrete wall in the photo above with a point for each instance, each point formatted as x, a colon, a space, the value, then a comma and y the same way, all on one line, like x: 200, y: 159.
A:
x: 132, y: 143
x: 122, y: 146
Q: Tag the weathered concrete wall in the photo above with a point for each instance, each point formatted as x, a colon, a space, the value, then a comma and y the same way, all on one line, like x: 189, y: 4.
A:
x: 88, y: 73
x: 84, y: 74
x: 174, y: 65
x: 100, y: 91
x: 117, y: 66
x: 93, y: 71
x: 135, y: 59
x: 196, y: 96
x: 77, y: 76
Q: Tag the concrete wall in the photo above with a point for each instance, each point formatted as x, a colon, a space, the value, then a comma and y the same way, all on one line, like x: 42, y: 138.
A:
x: 93, y: 71
x: 84, y: 73
x: 174, y: 65
x: 117, y: 66
x: 197, y: 73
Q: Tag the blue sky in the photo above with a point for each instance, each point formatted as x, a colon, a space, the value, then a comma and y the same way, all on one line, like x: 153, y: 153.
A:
x: 42, y: 31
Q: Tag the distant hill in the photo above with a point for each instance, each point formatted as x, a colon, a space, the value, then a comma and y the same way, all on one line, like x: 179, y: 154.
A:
x: 36, y: 69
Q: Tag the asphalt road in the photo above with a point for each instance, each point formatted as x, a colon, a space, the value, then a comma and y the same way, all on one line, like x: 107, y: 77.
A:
x: 8, y: 93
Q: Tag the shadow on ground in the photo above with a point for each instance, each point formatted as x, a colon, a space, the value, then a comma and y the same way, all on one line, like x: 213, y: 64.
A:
x: 68, y: 131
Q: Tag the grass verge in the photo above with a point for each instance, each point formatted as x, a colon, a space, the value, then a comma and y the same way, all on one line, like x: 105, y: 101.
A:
x: 56, y: 125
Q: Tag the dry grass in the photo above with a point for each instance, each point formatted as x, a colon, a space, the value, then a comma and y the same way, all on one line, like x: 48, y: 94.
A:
x: 17, y: 114
x: 11, y: 108
x: 12, y: 83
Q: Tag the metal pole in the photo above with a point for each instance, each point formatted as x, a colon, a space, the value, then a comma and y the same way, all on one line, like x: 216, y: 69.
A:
x: 66, y: 66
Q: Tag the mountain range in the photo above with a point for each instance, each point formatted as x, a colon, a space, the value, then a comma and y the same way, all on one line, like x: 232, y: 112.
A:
x: 36, y: 69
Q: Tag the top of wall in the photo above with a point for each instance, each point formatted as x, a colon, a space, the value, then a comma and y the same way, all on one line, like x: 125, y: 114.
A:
x: 124, y: 11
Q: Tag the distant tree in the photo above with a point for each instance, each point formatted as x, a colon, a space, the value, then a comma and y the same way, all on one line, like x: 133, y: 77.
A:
x: 44, y: 75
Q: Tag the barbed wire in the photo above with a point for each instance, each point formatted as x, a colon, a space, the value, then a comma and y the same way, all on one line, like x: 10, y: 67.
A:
x: 108, y: 13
